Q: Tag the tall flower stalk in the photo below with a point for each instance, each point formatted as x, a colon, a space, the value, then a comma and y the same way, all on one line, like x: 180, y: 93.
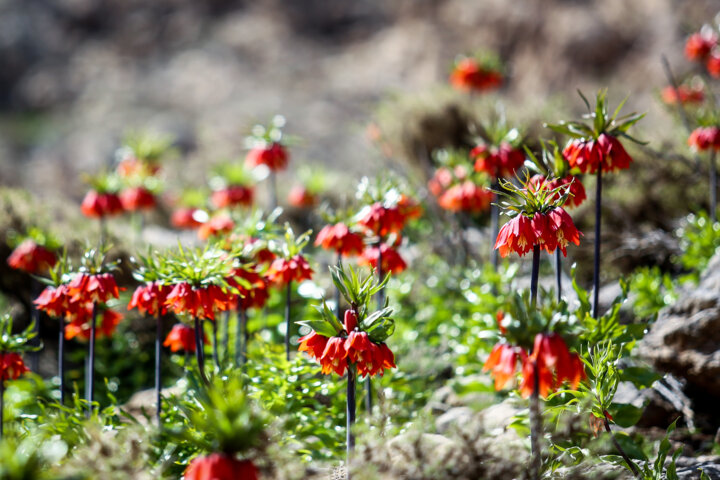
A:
x: 538, y: 222
x: 595, y: 148
x: 355, y: 346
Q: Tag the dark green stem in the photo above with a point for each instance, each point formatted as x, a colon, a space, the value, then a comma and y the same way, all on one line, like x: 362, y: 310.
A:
x: 558, y: 273
x: 350, y: 413
x: 598, y: 217
x: 61, y: 359
x: 199, y: 346
x: 158, y: 370
x: 216, y: 356
x: 713, y: 186
x: 90, y: 387
x: 288, y: 298
x: 631, y: 465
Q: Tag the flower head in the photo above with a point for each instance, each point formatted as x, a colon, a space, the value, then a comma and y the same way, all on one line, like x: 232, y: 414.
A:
x: 31, y: 257
x: 314, y: 344
x: 181, y: 337
x: 185, y: 218
x: 469, y: 75
x: 705, y: 138
x: 699, y: 45
x: 220, y: 466
x: 497, y: 161
x: 273, y: 156
x: 11, y: 366
x: 517, y: 236
x: 89, y: 288
x: 381, y: 220
x: 283, y: 271
x: 338, y: 237
x: 234, y: 195
x: 137, y: 198
x: 150, y: 299
x: 392, y: 262
x: 218, y: 225
x: 589, y: 155
x: 334, y: 357
x: 300, y: 197
x: 466, y: 197
x: 253, y: 288
x: 502, y: 363
x: 97, y: 205
x: 683, y: 94
x: 577, y: 189
x: 555, y: 365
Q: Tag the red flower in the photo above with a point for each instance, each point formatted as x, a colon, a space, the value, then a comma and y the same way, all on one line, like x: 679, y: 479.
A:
x: 555, y: 363
x: 314, y: 344
x: 684, y: 94
x: 409, y: 208
x: 284, y: 271
x: 589, y: 155
x: 381, y: 220
x: 391, y: 260
x: 217, y: 225
x: 137, y: 198
x: 185, y: 218
x: 704, y: 138
x: 275, y: 157
x: 713, y: 65
x: 468, y: 75
x: 55, y: 301
x: 564, y: 230
x: 517, y: 235
x: 31, y: 257
x: 198, y: 302
x: 502, y: 363
x: 150, y: 299
x: 80, y: 326
x: 301, y: 197
x: 466, y: 197
x: 220, y: 466
x: 334, y: 357
x: 502, y: 161
x: 181, y: 337
x: 100, y: 204
x: 253, y: 297
x: 350, y: 321
x: 699, y: 45
x: 86, y: 288
x: 232, y: 196
x: 11, y: 366
x: 339, y: 238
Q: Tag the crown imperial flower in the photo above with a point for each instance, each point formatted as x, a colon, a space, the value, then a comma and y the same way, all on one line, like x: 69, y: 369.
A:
x: 31, y: 258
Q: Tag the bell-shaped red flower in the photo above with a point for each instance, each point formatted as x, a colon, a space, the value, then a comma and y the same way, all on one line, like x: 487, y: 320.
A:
x: 466, y: 197
x: 232, y: 196
x: 181, y: 337
x: 588, y: 155
x: 254, y: 296
x: 502, y: 363
x: 137, y: 198
x: 150, y: 299
x: 301, y: 197
x: 87, y: 288
x: 338, y: 237
x: 334, y: 357
x: 11, y: 366
x: 54, y: 301
x: 705, y: 138
x: 275, y: 157
x: 712, y: 64
x: 517, y: 236
x: 392, y: 262
x: 97, y: 205
x: 314, y: 344
x: 497, y: 161
x: 555, y: 365
x: 563, y: 229
x: 469, y: 75
x: 699, y: 45
x: 683, y: 94
x: 31, y: 258
x: 283, y: 271
x: 217, y: 225
x: 80, y: 323
x: 409, y: 208
x: 220, y: 466
x: 381, y: 220
x: 185, y: 218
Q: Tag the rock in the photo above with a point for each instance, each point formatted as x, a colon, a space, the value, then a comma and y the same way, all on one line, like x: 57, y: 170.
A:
x: 685, y: 339
x: 691, y: 468
x: 453, y: 417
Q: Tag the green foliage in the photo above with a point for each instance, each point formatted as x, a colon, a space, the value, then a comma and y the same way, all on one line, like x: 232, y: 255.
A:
x: 699, y: 240
x: 653, y: 290
x: 20, y: 342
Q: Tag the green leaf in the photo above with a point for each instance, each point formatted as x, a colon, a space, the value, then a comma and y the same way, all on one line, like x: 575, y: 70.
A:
x: 625, y: 415
x: 321, y: 327
x: 641, y: 377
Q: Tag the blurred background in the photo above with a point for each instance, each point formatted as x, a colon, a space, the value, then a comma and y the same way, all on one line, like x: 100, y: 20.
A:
x: 76, y: 75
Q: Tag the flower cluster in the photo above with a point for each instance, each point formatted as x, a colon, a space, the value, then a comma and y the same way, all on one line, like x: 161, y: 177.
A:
x: 466, y: 197
x: 11, y: 366
x: 300, y: 196
x: 232, y: 196
x: 31, y: 258
x: 181, y: 337
x: 150, y: 298
x: 340, y: 238
x: 220, y: 466
x: 682, y: 94
x: 574, y: 186
x: 705, y: 138
x: 470, y: 75
x: 550, y: 230
x: 350, y: 346
x: 200, y: 302
x: 101, y: 204
x: 392, y: 262
x: 701, y: 47
x: 137, y: 198
x: 550, y: 356
x: 186, y: 218
x: 274, y: 156
x: 252, y: 288
x: 285, y: 270
x: 498, y: 161
x: 589, y: 155
x: 219, y: 224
